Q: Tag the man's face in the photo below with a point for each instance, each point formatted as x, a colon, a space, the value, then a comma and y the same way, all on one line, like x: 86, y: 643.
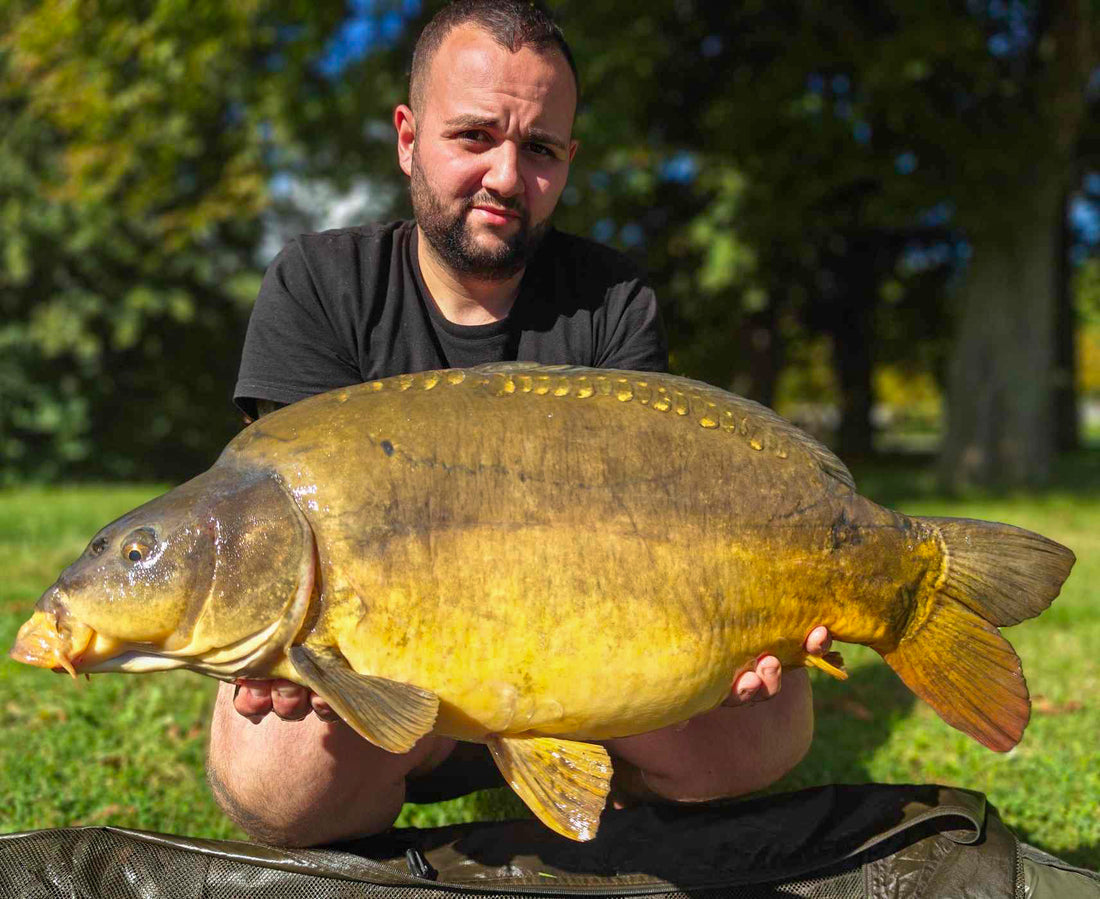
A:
x: 488, y: 153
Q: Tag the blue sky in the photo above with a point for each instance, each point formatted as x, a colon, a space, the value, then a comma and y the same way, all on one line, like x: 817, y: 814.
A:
x: 369, y: 26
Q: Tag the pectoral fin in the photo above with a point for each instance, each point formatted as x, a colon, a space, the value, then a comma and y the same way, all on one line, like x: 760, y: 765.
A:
x: 563, y: 782
x: 831, y: 663
x: 388, y: 713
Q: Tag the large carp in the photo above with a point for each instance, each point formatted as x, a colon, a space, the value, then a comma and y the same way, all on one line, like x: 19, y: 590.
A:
x: 532, y: 557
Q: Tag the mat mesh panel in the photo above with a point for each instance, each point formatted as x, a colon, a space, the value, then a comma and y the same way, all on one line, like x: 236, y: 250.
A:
x: 93, y: 864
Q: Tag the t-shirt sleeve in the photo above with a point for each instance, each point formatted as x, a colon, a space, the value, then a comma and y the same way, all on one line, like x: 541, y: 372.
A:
x: 292, y: 348
x: 636, y: 338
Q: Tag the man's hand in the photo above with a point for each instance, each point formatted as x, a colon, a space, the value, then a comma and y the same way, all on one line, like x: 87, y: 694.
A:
x: 764, y: 679
x: 290, y: 701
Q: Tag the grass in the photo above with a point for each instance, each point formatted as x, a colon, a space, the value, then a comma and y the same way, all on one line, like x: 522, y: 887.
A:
x: 129, y: 750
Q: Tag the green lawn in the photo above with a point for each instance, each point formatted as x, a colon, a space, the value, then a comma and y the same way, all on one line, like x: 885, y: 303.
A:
x: 129, y: 750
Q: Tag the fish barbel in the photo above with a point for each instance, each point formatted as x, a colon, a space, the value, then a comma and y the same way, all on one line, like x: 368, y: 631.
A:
x: 540, y: 557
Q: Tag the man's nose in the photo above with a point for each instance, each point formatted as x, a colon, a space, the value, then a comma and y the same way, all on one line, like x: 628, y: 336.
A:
x: 503, y: 176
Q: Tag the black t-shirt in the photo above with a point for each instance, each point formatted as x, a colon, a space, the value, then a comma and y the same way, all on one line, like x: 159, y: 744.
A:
x: 346, y: 306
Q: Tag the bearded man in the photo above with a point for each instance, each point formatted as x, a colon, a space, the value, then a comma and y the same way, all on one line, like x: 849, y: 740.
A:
x: 479, y: 276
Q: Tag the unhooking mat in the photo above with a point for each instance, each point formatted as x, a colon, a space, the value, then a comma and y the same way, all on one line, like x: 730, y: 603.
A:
x: 836, y: 842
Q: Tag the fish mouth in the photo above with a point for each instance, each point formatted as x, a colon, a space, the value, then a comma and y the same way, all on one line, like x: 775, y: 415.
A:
x: 50, y: 639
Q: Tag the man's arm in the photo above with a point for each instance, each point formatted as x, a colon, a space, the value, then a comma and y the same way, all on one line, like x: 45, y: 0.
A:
x: 266, y: 407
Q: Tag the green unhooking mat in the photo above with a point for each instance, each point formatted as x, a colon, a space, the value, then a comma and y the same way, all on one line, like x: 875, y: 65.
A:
x: 837, y: 842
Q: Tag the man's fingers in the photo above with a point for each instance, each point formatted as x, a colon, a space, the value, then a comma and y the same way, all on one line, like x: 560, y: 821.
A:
x: 256, y: 698
x: 289, y: 701
x: 770, y: 673
x: 745, y: 688
x: 252, y: 699
x: 322, y: 709
x: 765, y: 678
x: 818, y: 641
x: 758, y: 683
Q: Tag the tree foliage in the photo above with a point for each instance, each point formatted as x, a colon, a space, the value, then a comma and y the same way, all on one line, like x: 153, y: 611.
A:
x: 138, y: 145
x: 784, y: 170
x: 894, y: 131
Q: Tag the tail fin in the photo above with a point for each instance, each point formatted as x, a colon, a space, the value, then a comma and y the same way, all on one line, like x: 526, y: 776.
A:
x: 952, y: 655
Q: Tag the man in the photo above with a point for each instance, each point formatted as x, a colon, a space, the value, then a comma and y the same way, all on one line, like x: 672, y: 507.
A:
x: 480, y: 276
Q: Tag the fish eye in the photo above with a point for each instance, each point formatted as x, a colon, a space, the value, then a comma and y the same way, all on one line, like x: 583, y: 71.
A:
x: 138, y: 546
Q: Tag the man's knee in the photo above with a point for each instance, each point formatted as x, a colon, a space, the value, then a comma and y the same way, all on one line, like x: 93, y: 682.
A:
x: 301, y: 783
x: 253, y: 817
x: 294, y: 809
x: 725, y: 753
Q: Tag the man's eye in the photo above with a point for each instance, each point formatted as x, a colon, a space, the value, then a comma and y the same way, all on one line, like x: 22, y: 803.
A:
x: 540, y: 149
x: 477, y: 136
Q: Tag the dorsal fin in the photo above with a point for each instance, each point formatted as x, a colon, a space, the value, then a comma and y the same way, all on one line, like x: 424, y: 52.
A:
x: 757, y: 417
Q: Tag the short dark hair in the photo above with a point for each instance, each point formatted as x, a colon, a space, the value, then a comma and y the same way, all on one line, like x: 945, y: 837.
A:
x: 513, y: 24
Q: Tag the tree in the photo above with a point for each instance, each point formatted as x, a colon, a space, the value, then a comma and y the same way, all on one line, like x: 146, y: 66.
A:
x: 976, y: 106
x: 138, y: 148
x: 1004, y: 373
x: 779, y: 166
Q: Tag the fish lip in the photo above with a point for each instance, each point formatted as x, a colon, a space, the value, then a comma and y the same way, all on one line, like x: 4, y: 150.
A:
x: 50, y: 639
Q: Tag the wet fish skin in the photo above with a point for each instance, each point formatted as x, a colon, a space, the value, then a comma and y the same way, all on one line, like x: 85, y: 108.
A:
x: 532, y: 557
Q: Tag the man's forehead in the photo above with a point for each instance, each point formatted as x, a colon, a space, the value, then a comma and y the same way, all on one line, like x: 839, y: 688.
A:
x: 471, y: 66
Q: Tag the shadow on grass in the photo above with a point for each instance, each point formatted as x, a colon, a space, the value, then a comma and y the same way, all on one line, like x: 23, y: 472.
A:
x: 853, y: 719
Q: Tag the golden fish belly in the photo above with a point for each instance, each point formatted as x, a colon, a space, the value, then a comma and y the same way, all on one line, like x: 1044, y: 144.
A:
x: 526, y: 631
x: 534, y: 630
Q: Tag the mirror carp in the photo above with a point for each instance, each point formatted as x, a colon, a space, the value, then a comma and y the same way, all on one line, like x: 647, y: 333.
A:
x: 537, y: 557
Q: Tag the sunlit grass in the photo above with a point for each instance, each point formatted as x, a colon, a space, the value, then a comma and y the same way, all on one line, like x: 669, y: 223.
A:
x: 129, y: 750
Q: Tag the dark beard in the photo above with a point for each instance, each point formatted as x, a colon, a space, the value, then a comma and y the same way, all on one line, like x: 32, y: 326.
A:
x: 454, y: 244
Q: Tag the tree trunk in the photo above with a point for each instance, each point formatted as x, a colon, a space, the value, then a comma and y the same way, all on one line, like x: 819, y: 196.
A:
x: 1066, y: 418
x: 762, y: 347
x: 1002, y: 376
x: 853, y: 339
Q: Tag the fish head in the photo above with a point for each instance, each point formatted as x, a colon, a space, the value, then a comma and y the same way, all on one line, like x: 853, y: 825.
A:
x: 213, y: 576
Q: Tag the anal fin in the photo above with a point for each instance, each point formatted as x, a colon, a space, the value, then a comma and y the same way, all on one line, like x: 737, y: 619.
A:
x: 832, y: 663
x: 388, y: 713
x: 564, y: 782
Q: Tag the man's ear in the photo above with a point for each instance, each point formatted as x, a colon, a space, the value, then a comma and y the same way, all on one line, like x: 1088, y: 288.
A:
x: 405, y: 123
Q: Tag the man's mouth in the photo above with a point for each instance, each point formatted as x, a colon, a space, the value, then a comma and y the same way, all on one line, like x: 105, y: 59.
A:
x: 496, y: 215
